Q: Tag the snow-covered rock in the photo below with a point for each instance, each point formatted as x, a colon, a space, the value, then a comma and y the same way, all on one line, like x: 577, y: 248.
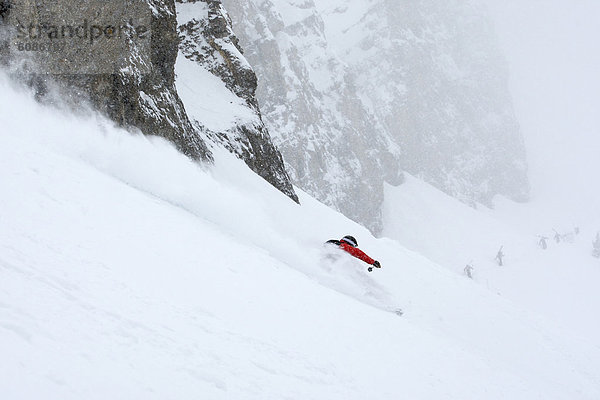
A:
x: 218, y: 88
x: 357, y: 91
x: 328, y: 139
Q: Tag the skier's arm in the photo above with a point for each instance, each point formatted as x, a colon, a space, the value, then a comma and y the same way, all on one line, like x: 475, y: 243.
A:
x: 358, y: 253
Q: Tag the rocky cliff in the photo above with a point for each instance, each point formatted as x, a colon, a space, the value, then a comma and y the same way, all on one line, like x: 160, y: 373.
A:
x: 432, y: 72
x: 353, y: 92
x: 129, y: 78
x: 330, y: 141
x: 358, y: 91
x: 121, y: 58
x: 208, y: 44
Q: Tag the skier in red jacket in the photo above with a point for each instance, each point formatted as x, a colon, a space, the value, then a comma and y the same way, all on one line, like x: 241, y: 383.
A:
x: 350, y: 245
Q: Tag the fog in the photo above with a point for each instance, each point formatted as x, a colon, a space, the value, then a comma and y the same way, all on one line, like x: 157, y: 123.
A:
x: 554, y: 57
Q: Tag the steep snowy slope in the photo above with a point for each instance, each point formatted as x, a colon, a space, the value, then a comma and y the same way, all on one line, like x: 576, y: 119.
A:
x: 560, y: 282
x: 128, y: 271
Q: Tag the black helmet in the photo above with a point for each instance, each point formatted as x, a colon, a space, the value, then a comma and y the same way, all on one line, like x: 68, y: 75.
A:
x: 350, y: 240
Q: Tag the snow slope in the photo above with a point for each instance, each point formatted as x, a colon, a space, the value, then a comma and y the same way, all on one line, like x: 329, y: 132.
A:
x: 128, y: 271
x: 560, y: 282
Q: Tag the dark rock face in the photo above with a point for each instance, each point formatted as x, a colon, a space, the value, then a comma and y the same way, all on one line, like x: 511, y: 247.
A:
x: 4, y: 13
x: 207, y: 39
x: 132, y: 82
x: 4, y: 9
x: 120, y: 57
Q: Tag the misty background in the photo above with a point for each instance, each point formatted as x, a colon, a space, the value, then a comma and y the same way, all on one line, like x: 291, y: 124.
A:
x: 553, y: 52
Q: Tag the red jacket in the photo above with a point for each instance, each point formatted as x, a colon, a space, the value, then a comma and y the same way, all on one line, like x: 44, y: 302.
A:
x: 356, y: 252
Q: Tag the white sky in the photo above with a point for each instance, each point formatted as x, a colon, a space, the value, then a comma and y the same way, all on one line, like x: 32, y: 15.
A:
x: 553, y: 48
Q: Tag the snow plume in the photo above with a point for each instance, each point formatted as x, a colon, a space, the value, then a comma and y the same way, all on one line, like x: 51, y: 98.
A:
x: 129, y: 271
